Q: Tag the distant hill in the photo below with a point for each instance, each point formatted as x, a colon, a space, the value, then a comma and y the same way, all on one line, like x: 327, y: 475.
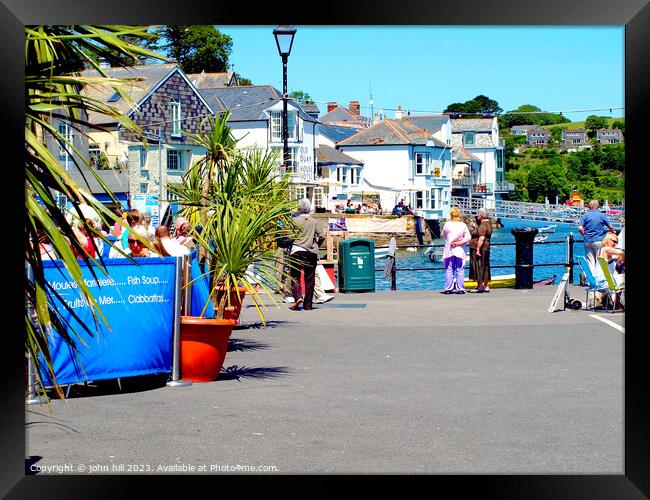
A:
x: 575, y: 125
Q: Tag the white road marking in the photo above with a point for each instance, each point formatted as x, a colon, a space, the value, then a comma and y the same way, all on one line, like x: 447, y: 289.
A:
x: 610, y: 323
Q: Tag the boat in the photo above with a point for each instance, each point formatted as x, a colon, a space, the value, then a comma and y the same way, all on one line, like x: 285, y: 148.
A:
x: 434, y: 253
x: 502, y: 281
x: 540, y: 237
x: 508, y: 281
x: 547, y: 229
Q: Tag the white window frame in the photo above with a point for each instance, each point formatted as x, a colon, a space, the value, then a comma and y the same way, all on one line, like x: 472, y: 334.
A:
x: 354, y: 176
x: 94, y: 151
x: 66, y: 131
x: 177, y: 122
x: 179, y: 154
x: 275, y: 124
x: 297, y: 193
x: 293, y: 164
x: 318, y: 197
x: 424, y: 164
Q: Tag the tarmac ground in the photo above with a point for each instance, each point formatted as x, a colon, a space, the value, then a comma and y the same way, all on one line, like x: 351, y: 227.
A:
x: 386, y: 382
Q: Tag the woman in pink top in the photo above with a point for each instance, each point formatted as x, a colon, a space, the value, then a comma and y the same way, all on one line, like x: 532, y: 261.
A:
x: 456, y: 236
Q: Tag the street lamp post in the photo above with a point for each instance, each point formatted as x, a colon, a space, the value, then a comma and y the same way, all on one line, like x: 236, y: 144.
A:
x: 284, y: 39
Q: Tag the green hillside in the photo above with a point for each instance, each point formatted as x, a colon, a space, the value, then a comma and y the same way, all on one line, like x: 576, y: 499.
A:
x: 576, y: 125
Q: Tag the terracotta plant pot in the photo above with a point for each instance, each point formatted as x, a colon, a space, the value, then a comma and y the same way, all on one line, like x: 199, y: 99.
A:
x: 234, y: 309
x: 204, y: 343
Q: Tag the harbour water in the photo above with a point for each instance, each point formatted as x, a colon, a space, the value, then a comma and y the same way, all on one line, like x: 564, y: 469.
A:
x: 553, y: 250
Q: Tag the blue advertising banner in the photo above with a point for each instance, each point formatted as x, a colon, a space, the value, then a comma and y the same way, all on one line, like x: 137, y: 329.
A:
x: 138, y: 303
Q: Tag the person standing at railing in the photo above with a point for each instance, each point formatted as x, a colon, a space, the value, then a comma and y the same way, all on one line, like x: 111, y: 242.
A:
x: 593, y: 226
x: 456, y: 236
x: 480, y: 252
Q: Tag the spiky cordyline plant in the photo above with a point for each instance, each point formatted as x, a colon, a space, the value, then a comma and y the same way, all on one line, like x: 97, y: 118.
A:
x: 54, y: 58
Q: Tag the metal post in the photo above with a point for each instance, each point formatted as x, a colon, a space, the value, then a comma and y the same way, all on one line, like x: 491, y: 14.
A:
x: 159, y: 171
x: 569, y: 253
x: 176, y: 360
x: 285, y: 128
x: 32, y: 398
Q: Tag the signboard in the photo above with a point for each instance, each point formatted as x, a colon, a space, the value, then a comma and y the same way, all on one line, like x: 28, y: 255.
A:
x: 147, y: 204
x: 559, y: 294
x: 138, y: 303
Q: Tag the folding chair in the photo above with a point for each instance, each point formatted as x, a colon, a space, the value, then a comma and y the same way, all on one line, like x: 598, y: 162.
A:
x: 612, y: 287
x: 594, y: 284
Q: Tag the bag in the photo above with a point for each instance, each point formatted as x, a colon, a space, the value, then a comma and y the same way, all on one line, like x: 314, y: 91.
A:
x: 284, y: 242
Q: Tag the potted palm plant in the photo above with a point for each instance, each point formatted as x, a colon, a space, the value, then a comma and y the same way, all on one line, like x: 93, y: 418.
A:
x: 235, y: 201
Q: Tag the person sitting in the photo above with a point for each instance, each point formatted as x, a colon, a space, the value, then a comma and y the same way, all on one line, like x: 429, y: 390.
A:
x: 615, y: 258
x: 137, y: 237
x: 171, y: 247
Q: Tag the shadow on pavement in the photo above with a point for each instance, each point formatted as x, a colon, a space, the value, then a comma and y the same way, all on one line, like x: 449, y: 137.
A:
x: 235, y: 372
x: 245, y: 345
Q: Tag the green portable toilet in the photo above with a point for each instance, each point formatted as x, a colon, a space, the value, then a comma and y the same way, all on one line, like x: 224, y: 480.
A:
x: 356, y: 265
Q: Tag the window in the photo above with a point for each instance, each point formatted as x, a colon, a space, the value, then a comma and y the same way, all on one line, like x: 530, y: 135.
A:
x: 468, y: 138
x: 93, y: 153
x: 66, y: 131
x: 342, y: 175
x: 419, y: 199
x: 143, y: 159
x: 422, y: 163
x: 298, y: 193
x: 433, y: 198
x: 176, y: 118
x: 276, y: 126
x: 293, y: 161
x: 174, y: 159
x: 143, y: 187
x: 354, y: 176
x: 293, y: 126
x: 318, y: 197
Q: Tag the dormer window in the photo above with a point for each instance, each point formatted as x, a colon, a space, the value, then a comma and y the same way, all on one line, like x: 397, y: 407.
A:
x: 293, y: 126
x: 469, y: 138
x: 176, y: 118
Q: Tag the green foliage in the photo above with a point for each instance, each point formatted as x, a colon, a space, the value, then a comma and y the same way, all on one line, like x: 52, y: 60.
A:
x: 303, y: 97
x: 196, y: 48
x: 244, y: 82
x: 475, y: 107
x: 546, y: 180
x: 527, y: 114
x: 593, y: 123
x: 620, y: 124
x: 54, y: 57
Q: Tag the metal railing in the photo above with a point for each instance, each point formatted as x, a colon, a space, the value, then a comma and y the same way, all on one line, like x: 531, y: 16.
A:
x: 569, y: 262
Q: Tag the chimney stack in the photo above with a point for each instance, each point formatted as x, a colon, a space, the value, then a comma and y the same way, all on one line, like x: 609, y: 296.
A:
x: 355, y: 108
x: 331, y: 105
x: 398, y: 112
x: 376, y: 118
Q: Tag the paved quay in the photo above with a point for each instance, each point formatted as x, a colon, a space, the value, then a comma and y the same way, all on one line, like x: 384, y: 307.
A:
x: 386, y: 382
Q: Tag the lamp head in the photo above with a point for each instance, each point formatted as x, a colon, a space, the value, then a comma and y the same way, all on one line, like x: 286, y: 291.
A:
x: 284, y: 39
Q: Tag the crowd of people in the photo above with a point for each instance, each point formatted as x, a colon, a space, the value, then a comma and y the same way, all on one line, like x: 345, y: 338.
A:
x: 140, y: 239
x: 359, y: 208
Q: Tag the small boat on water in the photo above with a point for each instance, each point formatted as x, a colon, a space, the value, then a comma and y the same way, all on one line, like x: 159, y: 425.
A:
x: 434, y: 253
x: 507, y: 281
x: 547, y: 229
x: 540, y: 237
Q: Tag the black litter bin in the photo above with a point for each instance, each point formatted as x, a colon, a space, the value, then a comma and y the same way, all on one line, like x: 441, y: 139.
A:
x: 357, y: 265
x: 524, y: 237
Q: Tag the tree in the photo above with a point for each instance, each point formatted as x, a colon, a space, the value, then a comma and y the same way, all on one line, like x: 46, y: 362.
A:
x: 196, y: 48
x: 593, y: 123
x: 304, y: 97
x: 244, y: 82
x: 546, y: 180
x: 478, y: 106
x: 528, y: 114
x: 54, y: 57
x: 620, y: 124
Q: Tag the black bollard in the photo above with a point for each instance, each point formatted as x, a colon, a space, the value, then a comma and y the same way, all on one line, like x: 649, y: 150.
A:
x: 524, y: 256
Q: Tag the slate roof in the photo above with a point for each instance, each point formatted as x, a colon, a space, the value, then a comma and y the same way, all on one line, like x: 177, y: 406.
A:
x: 431, y: 124
x: 342, y: 116
x: 471, y: 124
x: 390, y: 132
x: 335, y: 133
x: 150, y: 75
x: 327, y: 155
x: 248, y: 103
x: 460, y: 154
x: 212, y: 80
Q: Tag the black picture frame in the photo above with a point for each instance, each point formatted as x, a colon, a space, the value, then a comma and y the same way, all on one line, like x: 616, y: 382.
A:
x: 633, y: 14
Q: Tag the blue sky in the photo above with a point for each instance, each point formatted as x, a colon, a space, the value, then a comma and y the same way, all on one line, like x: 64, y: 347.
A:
x: 425, y: 68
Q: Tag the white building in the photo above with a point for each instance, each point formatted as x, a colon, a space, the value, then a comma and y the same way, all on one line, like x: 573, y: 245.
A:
x: 256, y: 121
x: 401, y: 160
x: 480, y: 137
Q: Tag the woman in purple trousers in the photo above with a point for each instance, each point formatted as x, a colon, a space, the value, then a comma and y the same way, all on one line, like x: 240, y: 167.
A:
x: 456, y: 236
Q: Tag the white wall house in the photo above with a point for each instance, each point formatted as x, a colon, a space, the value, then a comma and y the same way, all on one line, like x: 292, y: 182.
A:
x: 403, y: 161
x: 256, y: 121
x: 480, y: 137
